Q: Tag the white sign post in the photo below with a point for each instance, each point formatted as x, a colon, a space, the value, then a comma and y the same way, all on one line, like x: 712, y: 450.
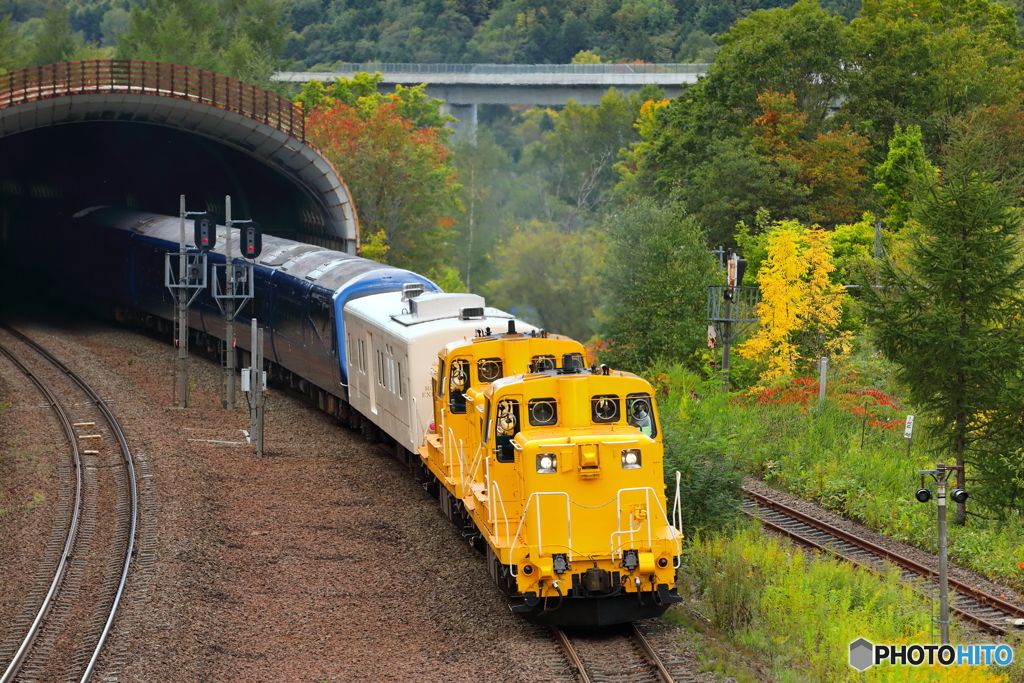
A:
x: 908, y: 432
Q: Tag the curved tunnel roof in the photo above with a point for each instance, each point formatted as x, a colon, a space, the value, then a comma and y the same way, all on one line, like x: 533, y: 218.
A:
x: 252, y: 120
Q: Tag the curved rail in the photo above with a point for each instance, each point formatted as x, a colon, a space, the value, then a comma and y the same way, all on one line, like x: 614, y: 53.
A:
x: 69, y: 430
x: 132, y: 490
x: 152, y: 78
x: 981, y: 599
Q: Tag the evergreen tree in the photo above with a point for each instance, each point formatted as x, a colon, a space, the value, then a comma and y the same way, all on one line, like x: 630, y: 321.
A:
x: 948, y: 317
x: 56, y: 42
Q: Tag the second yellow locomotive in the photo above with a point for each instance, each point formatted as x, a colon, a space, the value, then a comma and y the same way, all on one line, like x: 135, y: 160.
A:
x: 555, y: 471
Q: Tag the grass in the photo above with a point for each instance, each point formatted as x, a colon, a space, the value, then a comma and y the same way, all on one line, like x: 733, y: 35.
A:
x: 848, y: 455
x: 797, y: 613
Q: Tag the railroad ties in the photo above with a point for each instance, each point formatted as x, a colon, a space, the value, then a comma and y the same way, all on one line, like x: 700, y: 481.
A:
x: 977, y: 607
x: 68, y: 614
x: 620, y: 654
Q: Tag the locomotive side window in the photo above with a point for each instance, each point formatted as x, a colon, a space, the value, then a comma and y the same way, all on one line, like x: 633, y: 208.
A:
x: 543, y: 412
x: 440, y: 378
x: 488, y: 369
x: 640, y: 413
x: 604, y: 408
x: 506, y: 426
x: 289, y: 315
x: 458, y: 384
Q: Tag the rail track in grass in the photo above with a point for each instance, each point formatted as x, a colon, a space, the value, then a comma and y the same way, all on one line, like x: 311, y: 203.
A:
x: 975, y: 606
x: 62, y: 630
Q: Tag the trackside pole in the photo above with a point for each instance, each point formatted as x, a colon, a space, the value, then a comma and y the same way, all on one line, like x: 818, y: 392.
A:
x: 256, y: 384
x: 181, y: 333
x: 229, y: 314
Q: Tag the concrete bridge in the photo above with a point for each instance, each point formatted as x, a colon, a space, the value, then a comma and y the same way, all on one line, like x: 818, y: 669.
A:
x: 465, y: 86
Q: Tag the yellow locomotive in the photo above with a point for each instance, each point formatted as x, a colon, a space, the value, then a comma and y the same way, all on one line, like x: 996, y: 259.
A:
x: 555, y: 471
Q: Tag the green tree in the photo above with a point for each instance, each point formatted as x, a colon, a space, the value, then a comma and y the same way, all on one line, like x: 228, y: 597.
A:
x: 12, y: 47
x: 905, y: 167
x: 654, y: 286
x: 550, y: 277
x: 950, y: 317
x: 361, y: 92
x: 483, y: 171
x: 577, y: 159
x: 56, y: 42
x: 926, y: 62
x: 242, y: 39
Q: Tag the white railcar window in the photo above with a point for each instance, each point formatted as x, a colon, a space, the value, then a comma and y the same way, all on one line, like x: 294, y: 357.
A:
x: 401, y: 393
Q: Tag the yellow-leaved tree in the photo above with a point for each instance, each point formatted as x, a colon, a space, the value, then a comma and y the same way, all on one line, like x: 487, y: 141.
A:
x: 800, y: 308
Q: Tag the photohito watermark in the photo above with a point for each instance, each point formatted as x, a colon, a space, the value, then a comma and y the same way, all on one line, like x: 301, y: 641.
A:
x: 864, y: 655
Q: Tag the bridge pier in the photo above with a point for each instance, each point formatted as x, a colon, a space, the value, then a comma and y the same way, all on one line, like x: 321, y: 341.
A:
x: 467, y: 119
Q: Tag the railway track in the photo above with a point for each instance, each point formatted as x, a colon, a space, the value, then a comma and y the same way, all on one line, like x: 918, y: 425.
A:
x: 62, y: 630
x: 985, y: 611
x: 620, y: 655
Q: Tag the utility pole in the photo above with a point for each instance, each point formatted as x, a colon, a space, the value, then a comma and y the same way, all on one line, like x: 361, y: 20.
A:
x: 253, y: 382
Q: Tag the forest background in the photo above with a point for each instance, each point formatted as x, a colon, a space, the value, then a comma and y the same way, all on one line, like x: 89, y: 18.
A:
x: 864, y: 158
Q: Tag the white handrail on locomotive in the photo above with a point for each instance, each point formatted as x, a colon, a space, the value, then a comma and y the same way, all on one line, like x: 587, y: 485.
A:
x: 540, y: 542
x: 647, y: 506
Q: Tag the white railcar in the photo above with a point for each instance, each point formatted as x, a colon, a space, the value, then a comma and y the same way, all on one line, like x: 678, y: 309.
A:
x: 391, y: 342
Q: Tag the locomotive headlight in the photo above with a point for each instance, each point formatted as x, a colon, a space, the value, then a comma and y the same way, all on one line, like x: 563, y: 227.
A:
x: 631, y: 458
x: 547, y: 463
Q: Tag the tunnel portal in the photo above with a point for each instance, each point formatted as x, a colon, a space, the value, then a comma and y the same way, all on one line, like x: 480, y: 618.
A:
x: 139, y: 135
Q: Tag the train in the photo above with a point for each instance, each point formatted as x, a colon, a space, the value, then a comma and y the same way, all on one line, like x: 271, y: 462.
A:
x: 553, y: 468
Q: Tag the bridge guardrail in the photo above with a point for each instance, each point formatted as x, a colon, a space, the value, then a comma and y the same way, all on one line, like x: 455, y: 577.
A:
x: 166, y: 80
x: 513, y: 69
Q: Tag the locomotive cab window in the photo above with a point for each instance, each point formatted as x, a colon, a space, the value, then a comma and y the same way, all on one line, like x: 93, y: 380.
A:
x: 604, y: 408
x: 573, y: 361
x: 543, y: 412
x: 440, y: 378
x: 488, y: 370
x: 640, y: 413
x: 506, y: 426
x: 458, y: 385
x: 542, y: 363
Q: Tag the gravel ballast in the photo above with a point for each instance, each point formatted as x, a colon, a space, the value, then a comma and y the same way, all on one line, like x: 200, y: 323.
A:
x: 323, y: 561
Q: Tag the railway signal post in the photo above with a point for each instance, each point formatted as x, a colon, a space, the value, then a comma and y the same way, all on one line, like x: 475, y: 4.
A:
x: 958, y: 495
x: 191, y: 277
x: 733, y: 306
x: 238, y: 288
